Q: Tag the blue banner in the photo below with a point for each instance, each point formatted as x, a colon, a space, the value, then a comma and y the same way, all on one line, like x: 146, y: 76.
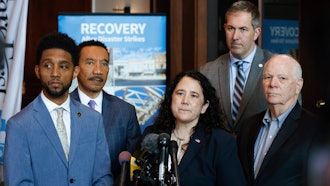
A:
x: 280, y: 36
x: 137, y: 47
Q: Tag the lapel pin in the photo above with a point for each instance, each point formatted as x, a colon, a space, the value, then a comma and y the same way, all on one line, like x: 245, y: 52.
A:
x: 79, y: 114
x: 197, y: 140
x: 260, y: 65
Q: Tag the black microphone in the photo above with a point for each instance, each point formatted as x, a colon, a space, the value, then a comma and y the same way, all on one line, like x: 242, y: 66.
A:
x: 163, y: 140
x: 149, y: 148
x: 173, y: 150
x: 150, y: 143
x: 124, y: 160
x: 147, y: 161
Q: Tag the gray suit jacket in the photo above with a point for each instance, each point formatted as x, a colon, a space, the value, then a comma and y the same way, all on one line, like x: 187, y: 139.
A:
x: 121, y: 127
x: 34, y: 154
x: 253, y: 100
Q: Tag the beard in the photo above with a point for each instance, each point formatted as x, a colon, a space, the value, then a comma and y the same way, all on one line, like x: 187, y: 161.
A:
x: 57, y: 92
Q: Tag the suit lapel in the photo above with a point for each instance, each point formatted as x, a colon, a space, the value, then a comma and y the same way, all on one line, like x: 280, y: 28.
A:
x: 224, y: 87
x: 255, y: 129
x: 288, y: 128
x: 76, y: 126
x: 247, y: 139
x: 43, y: 118
x: 75, y: 95
x: 255, y: 75
x: 196, y: 143
x: 106, y: 107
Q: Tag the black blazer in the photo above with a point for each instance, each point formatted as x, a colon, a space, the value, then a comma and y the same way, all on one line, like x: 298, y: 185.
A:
x: 210, y: 159
x: 286, y: 162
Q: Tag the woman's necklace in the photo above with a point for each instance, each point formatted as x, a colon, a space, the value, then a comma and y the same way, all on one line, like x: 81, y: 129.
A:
x: 181, y: 145
x: 177, y: 137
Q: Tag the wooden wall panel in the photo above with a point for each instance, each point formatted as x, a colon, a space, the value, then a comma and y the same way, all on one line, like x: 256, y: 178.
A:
x: 188, y: 35
x: 42, y: 19
x: 314, y: 55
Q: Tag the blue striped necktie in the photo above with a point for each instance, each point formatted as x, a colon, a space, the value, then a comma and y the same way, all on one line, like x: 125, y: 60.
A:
x: 238, y: 88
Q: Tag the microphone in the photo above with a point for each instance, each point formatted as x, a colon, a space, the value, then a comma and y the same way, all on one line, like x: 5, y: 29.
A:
x: 149, y: 147
x: 173, y: 150
x: 163, y: 140
x: 124, y: 160
x: 146, y: 159
x: 150, y: 144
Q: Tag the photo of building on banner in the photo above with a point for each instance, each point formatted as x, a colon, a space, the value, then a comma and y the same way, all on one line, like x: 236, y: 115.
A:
x: 137, y: 48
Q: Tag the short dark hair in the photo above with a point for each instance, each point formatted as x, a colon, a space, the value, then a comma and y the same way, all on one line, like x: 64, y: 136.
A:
x: 245, y: 6
x: 60, y: 41
x: 91, y: 43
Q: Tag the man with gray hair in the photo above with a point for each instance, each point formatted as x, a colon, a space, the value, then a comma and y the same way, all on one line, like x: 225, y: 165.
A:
x: 275, y: 144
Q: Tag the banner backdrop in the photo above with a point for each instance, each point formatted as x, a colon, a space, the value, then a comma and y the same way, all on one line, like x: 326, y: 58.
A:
x: 137, y: 47
x: 281, y: 36
x: 12, y: 54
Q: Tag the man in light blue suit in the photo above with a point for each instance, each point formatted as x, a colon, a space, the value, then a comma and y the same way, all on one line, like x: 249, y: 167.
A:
x: 120, y: 121
x: 35, y: 150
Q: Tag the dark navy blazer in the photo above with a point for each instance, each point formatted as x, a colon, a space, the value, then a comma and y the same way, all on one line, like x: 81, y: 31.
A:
x: 210, y: 159
x: 286, y: 162
x: 121, y: 127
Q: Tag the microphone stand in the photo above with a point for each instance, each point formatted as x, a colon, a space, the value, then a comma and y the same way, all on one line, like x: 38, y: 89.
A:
x: 173, y: 149
x: 163, y: 140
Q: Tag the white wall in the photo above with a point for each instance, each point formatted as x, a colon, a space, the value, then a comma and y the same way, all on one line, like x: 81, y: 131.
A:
x: 117, y: 6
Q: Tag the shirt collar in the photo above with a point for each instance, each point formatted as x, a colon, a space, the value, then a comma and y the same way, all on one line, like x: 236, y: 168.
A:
x: 84, y: 99
x: 248, y: 59
x: 280, y: 119
x: 51, y: 105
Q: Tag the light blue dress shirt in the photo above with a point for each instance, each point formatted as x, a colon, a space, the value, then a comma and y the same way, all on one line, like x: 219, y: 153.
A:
x: 266, y: 136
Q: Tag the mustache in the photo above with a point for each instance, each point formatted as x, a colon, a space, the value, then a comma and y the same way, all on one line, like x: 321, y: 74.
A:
x: 96, y: 78
x: 55, y: 80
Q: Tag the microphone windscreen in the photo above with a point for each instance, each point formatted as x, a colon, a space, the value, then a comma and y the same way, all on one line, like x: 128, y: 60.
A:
x: 124, y: 156
x: 150, y: 143
x: 164, y: 138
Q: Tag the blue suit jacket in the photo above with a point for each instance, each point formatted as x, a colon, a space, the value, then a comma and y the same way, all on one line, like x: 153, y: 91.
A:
x: 286, y: 162
x: 121, y: 127
x: 34, y: 154
x: 253, y: 100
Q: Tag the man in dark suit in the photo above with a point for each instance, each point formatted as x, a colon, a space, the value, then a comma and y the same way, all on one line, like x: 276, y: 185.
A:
x: 275, y: 144
x: 45, y: 147
x: 120, y: 121
x: 242, y: 29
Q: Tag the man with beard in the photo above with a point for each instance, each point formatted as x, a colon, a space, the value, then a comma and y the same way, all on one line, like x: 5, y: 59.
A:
x: 56, y: 140
x: 120, y: 121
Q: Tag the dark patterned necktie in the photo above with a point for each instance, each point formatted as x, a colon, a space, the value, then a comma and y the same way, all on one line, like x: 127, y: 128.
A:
x: 238, y: 88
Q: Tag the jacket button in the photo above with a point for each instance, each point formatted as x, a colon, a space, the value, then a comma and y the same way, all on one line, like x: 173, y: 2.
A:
x: 72, y: 180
